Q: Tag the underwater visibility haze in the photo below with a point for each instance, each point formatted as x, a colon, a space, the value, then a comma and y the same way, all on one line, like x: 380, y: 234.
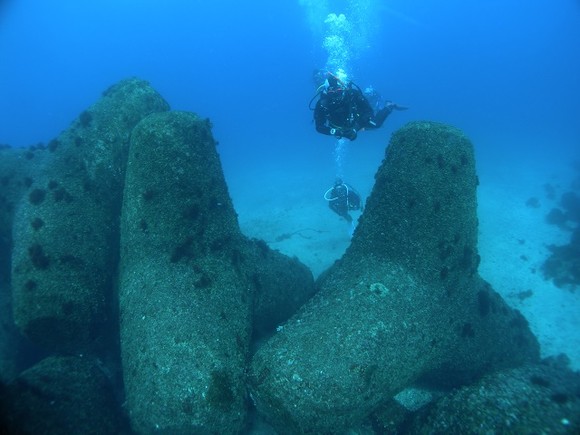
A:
x: 169, y: 262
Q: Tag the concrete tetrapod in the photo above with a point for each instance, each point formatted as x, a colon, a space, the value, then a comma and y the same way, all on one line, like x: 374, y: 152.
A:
x: 404, y: 302
x: 192, y: 287
x: 65, y: 230
x: 16, y: 167
x: 61, y: 395
x: 184, y: 300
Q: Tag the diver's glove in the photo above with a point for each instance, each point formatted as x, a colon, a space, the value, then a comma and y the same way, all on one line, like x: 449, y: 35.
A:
x: 349, y: 133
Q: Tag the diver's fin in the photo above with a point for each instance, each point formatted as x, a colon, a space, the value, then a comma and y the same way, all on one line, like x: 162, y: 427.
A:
x: 394, y: 106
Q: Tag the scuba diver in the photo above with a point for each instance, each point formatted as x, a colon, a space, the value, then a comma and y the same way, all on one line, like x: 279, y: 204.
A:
x: 342, y: 110
x: 342, y: 198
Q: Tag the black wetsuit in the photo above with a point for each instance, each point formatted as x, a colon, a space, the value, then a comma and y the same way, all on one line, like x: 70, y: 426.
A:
x: 345, y: 112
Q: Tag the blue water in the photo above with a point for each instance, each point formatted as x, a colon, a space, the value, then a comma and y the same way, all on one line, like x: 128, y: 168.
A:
x: 496, y: 69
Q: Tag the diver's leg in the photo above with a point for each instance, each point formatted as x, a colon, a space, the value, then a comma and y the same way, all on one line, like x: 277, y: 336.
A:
x: 379, y: 118
x: 340, y: 209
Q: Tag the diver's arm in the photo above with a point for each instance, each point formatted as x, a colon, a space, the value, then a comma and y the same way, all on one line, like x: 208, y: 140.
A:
x: 338, y: 132
x: 320, y: 115
x: 324, y: 129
